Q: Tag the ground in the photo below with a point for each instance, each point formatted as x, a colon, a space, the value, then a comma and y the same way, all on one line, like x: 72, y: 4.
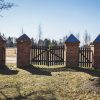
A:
x: 46, y: 84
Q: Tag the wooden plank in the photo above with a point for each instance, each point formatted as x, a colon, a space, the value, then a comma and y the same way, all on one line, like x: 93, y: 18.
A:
x: 54, y: 57
x: 47, y: 57
x: 42, y: 55
x: 37, y: 50
x: 59, y: 54
x: 63, y: 53
x: 53, y: 49
x: 34, y: 52
x: 50, y: 56
x: 81, y: 57
x: 89, y: 57
x: 42, y: 47
x: 85, y: 57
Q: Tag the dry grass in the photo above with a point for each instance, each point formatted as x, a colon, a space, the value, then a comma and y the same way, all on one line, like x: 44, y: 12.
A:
x: 63, y: 85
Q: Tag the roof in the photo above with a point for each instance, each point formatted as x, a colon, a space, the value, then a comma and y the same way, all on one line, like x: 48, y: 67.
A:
x: 72, y: 39
x: 24, y: 37
x: 97, y: 40
x: 2, y: 38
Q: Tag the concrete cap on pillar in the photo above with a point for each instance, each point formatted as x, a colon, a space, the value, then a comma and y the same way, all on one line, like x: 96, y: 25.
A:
x: 23, y: 38
x: 72, y: 39
x: 97, y: 40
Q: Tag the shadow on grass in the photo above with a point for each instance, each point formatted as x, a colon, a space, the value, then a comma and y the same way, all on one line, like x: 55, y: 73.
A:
x: 6, y: 71
x: 47, y: 71
x: 37, y: 95
x: 35, y: 70
x: 90, y: 71
x: 57, y: 69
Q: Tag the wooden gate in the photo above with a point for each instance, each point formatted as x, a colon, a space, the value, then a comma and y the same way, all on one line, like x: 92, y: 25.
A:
x: 85, y: 57
x: 50, y: 56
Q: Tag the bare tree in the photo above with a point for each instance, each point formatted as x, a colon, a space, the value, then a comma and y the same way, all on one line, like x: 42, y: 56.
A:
x: 87, y: 38
x: 78, y: 36
x: 40, y: 32
x: 5, y: 5
x: 64, y: 38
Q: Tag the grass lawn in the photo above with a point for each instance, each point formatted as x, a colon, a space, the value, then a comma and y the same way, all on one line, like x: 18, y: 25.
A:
x: 60, y: 85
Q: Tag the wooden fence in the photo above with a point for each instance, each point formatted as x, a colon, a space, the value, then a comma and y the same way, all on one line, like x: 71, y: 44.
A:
x: 42, y: 55
x: 85, y: 57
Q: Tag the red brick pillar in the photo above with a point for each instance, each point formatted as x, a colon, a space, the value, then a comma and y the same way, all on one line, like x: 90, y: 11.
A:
x: 2, y: 51
x: 23, y: 50
x: 96, y: 43
x: 72, y: 51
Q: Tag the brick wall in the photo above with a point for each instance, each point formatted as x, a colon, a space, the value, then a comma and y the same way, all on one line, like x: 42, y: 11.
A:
x: 97, y: 55
x: 72, y: 54
x: 2, y: 52
x: 23, y: 51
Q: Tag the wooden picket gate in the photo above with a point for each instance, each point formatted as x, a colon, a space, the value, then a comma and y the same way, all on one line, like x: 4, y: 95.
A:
x: 85, y: 57
x: 50, y: 56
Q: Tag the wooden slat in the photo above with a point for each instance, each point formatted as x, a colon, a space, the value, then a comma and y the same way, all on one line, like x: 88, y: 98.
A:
x: 89, y: 53
x: 45, y: 55
x: 50, y: 60
x: 63, y: 54
x: 42, y: 55
x: 34, y: 53
x: 59, y: 53
x: 87, y: 59
x: 52, y: 56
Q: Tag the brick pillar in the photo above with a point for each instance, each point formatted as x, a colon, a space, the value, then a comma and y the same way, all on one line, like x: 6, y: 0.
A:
x: 2, y: 51
x: 72, y: 51
x: 23, y: 50
x: 96, y: 43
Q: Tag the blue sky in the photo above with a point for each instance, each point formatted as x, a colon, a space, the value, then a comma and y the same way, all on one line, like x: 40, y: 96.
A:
x: 57, y: 18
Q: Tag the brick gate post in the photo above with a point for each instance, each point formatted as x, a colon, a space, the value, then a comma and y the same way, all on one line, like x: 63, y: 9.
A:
x: 72, y: 51
x: 96, y: 43
x: 2, y: 50
x: 23, y: 50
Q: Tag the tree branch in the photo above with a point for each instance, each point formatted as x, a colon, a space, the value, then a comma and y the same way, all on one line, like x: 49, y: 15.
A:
x: 5, y: 5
